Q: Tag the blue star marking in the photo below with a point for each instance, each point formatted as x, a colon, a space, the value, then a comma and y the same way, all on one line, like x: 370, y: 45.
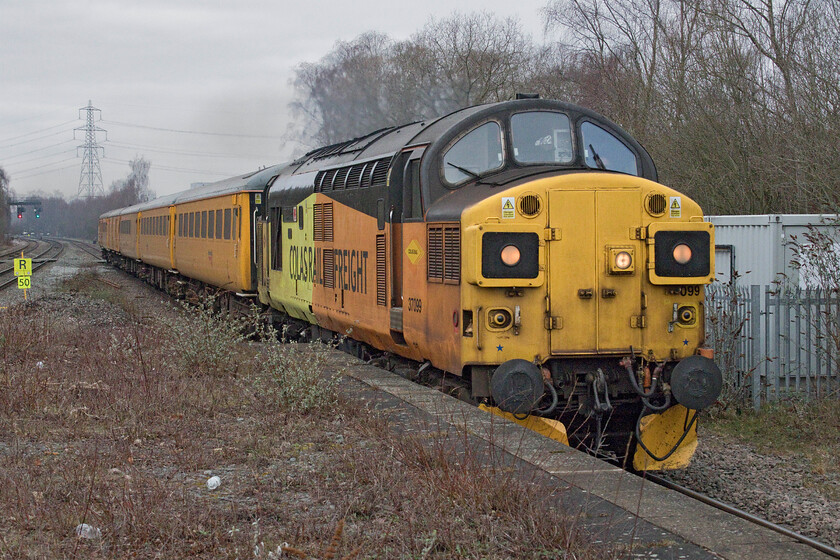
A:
x: 500, y: 347
x: 685, y: 342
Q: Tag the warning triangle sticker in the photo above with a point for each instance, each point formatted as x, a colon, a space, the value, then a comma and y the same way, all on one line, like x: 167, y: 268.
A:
x: 508, y: 205
x: 675, y: 203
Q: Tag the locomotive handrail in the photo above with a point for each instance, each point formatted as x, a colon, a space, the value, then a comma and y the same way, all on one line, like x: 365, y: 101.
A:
x: 477, y: 327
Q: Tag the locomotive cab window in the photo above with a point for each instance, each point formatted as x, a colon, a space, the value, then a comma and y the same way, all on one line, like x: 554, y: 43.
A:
x: 541, y: 137
x: 478, y: 152
x: 602, y: 150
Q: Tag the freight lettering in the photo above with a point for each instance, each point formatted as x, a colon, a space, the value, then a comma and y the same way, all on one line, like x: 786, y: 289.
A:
x: 350, y: 267
x: 351, y: 270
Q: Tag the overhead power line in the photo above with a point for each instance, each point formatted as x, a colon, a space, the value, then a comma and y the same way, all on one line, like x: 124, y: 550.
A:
x: 29, y: 175
x: 17, y: 174
x: 230, y: 135
x: 40, y: 158
x: 15, y: 144
x: 37, y: 131
x: 38, y: 150
x: 178, y: 169
x: 187, y: 152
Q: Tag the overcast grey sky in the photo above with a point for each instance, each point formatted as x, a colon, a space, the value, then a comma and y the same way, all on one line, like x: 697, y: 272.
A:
x: 187, y: 66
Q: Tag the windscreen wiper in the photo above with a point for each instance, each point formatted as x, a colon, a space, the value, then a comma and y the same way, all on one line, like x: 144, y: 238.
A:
x: 464, y: 170
x: 598, y: 161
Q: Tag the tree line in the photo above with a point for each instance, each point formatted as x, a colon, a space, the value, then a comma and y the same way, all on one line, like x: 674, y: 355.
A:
x: 736, y: 100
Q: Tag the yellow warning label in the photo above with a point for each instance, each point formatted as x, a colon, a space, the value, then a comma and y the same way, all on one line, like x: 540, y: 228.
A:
x: 24, y: 282
x: 508, y: 210
x: 414, y: 251
x: 23, y: 267
x: 676, y: 207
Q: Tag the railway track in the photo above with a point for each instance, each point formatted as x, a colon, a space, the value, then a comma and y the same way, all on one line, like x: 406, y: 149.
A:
x: 822, y: 547
x: 89, y: 248
x: 31, y: 245
x: 41, y: 253
x: 45, y: 254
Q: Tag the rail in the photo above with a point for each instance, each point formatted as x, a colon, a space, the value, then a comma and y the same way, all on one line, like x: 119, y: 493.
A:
x: 824, y: 548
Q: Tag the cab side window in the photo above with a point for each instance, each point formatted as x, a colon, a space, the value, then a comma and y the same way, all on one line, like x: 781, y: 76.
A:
x: 602, y: 150
x: 478, y: 152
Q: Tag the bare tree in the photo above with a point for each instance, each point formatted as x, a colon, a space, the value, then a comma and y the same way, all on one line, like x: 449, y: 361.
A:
x: 341, y: 96
x: 4, y: 204
x: 469, y: 59
x: 372, y: 82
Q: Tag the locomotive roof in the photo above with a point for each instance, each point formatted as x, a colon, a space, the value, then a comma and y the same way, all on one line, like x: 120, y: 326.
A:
x: 439, y: 131
x: 437, y: 134
x: 254, y: 181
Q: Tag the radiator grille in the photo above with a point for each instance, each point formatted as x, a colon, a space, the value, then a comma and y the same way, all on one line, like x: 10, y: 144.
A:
x: 452, y: 255
x: 365, y: 178
x: 444, y: 254
x: 340, y: 177
x: 329, y: 268
x: 655, y: 204
x: 353, y: 176
x: 529, y: 205
x: 326, y: 180
x: 435, y: 258
x: 318, y: 222
x: 380, y: 173
x: 381, y: 281
x: 328, y: 222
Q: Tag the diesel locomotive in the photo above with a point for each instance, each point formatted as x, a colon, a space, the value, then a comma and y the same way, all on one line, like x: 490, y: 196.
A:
x: 523, y: 248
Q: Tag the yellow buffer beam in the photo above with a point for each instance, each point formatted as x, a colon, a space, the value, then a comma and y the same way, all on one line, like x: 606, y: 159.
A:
x: 547, y: 427
x: 660, y: 433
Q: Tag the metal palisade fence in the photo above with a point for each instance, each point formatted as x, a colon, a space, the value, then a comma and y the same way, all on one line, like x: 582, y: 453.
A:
x: 772, y: 343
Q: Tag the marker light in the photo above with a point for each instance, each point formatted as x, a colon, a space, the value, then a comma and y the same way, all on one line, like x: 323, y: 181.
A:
x: 511, y: 255
x: 682, y: 253
x: 623, y: 260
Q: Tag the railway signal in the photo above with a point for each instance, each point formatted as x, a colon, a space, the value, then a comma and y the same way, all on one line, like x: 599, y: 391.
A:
x: 22, y: 204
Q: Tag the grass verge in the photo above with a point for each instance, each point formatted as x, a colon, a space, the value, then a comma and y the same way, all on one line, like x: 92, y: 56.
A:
x: 115, y: 411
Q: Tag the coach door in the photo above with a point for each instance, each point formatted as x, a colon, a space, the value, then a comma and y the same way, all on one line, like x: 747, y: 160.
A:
x: 595, y: 292
x: 405, y: 216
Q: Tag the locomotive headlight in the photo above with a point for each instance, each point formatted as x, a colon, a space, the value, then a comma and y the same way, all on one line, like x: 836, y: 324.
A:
x: 623, y: 260
x: 620, y: 260
x: 511, y: 255
x: 682, y: 253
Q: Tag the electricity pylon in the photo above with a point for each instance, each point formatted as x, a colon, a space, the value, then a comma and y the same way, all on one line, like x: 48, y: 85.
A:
x: 90, y: 179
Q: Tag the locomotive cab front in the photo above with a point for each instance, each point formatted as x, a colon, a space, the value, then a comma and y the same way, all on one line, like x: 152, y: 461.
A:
x: 582, y: 279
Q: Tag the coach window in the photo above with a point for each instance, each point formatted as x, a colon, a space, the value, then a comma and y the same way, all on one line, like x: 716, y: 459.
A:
x: 192, y: 225
x: 478, y: 152
x: 211, y: 224
x: 602, y: 150
x: 235, y: 228
x: 541, y: 137
x: 227, y: 223
x: 204, y: 224
x: 218, y: 224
